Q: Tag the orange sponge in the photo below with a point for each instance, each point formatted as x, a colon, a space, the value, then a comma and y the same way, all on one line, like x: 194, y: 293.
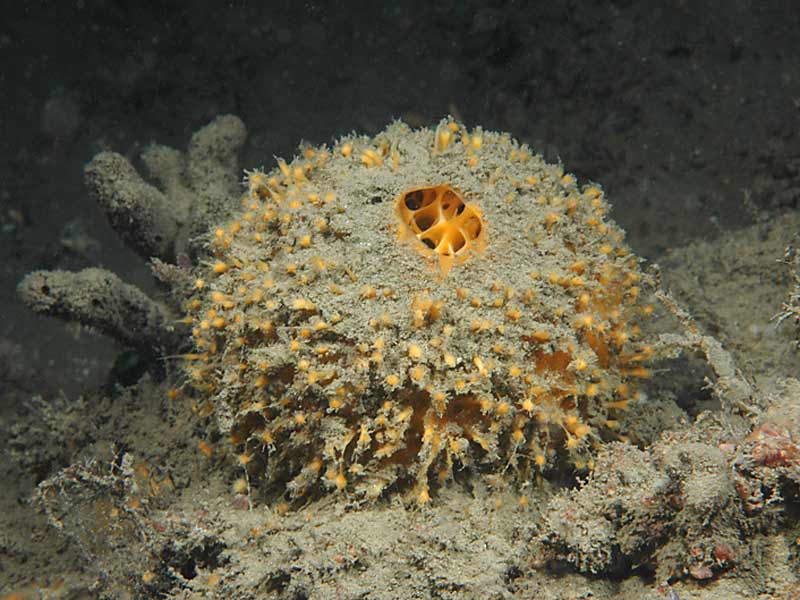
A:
x: 335, y: 359
x: 439, y: 218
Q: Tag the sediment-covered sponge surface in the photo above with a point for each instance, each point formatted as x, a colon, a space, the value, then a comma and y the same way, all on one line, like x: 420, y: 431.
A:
x: 391, y: 309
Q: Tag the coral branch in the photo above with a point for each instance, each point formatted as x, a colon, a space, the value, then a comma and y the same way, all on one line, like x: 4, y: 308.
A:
x: 733, y: 390
x: 100, y: 299
x: 196, y: 189
x: 213, y: 169
x: 140, y: 213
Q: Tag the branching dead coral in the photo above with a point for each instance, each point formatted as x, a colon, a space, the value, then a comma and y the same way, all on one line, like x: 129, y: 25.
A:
x: 731, y: 386
x: 100, y: 299
x: 790, y: 310
x: 160, y: 223
x: 196, y: 189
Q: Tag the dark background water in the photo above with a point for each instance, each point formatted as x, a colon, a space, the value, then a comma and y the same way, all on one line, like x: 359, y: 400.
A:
x: 677, y: 107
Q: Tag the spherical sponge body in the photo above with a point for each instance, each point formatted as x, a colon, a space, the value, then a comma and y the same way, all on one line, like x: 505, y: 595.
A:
x: 389, y: 310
